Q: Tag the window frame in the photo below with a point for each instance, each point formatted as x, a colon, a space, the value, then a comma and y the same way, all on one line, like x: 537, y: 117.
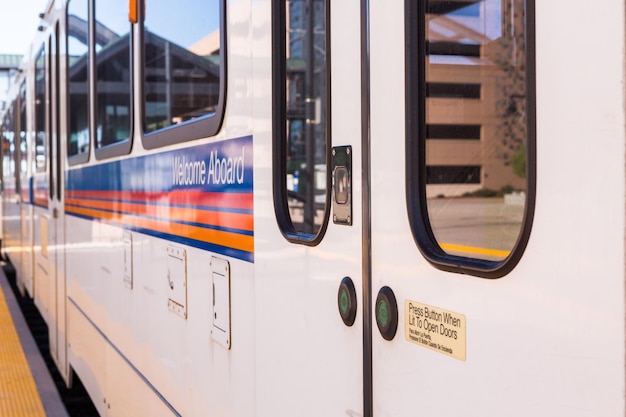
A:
x: 81, y: 157
x: 42, y: 53
x: 415, y: 106
x: 202, y: 127
x: 22, y: 117
x: 122, y: 147
x: 279, y: 129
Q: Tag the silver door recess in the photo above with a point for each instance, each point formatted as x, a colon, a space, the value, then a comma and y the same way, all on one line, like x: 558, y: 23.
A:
x: 220, y: 276
x: 177, y: 280
x: 342, y: 185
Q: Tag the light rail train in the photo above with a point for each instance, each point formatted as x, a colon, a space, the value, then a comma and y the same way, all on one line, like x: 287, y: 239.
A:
x: 311, y: 208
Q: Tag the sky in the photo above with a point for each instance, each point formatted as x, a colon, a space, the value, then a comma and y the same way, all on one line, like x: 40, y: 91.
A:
x: 18, y: 24
x: 19, y: 20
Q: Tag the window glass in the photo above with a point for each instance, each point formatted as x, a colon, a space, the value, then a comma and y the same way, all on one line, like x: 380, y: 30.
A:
x: 40, y: 112
x: 3, y: 137
x: 24, y: 169
x: 78, y: 75
x: 113, y: 75
x: 303, y: 129
x: 8, y: 147
x: 475, y: 125
x: 183, y: 73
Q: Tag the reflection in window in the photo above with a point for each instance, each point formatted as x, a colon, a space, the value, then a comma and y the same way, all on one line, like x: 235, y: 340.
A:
x: 24, y: 169
x: 305, y: 132
x: 40, y: 112
x: 182, y: 77
x: 9, y: 153
x: 113, y: 75
x: 5, y: 146
x: 78, y: 64
x: 476, y: 125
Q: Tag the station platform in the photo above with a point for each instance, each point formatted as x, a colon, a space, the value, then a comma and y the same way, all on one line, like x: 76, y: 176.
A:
x: 26, y: 387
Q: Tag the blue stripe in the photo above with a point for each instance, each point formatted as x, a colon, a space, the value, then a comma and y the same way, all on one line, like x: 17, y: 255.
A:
x: 219, y: 167
x: 212, y: 247
x: 119, y: 352
x: 158, y: 172
x: 222, y: 250
x: 165, y: 204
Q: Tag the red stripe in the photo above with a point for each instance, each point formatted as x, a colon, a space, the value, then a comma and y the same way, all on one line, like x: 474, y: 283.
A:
x: 243, y: 201
x: 208, y: 217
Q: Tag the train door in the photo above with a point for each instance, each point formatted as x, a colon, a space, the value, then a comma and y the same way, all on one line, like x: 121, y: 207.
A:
x: 25, y: 271
x: 11, y: 200
x: 308, y: 262
x: 42, y: 286
x: 451, y: 202
x: 48, y: 198
x: 56, y: 231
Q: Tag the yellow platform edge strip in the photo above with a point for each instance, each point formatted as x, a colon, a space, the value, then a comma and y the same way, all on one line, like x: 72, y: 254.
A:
x: 474, y: 250
x: 18, y: 391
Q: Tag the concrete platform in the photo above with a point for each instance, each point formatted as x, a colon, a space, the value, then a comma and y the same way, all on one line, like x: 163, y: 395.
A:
x: 26, y: 387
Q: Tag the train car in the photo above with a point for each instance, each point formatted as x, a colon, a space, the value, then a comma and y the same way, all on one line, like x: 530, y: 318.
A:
x: 17, y: 209
x: 304, y: 207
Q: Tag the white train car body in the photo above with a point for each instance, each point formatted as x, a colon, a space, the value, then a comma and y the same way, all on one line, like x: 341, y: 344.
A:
x: 172, y: 273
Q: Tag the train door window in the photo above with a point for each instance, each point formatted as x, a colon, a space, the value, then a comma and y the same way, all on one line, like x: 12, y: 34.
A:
x: 183, y: 70
x: 12, y: 148
x: 113, y: 77
x: 41, y: 140
x: 50, y: 109
x: 5, y: 149
x: 470, y: 132
x: 8, y: 147
x: 77, y: 31
x: 301, y: 121
x: 54, y: 110
x: 24, y: 169
x: 2, y: 128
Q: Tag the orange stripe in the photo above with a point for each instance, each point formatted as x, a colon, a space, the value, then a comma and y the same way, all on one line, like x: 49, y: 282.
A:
x: 186, y: 197
x: 210, y: 217
x: 226, y: 239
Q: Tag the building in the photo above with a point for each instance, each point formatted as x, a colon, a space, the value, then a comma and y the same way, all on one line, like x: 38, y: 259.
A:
x: 476, y: 122
x: 9, y: 65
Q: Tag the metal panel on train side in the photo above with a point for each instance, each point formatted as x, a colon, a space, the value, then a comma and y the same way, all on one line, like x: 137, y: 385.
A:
x: 547, y: 338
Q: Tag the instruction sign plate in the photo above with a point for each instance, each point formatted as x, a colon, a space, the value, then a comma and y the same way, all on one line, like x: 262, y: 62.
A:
x: 434, y: 328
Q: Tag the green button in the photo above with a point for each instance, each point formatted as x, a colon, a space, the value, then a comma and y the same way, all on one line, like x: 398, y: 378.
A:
x: 383, y: 313
x: 343, y: 300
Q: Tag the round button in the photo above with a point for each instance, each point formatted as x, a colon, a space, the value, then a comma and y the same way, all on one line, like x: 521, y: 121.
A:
x: 346, y: 301
x: 386, y: 313
x: 383, y: 313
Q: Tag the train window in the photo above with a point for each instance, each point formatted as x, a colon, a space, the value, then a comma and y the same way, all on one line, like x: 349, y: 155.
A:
x: 470, y: 132
x: 24, y: 168
x: 5, y: 143
x: 78, y: 81
x: 183, y: 71
x: 301, y: 121
x: 113, y: 77
x: 40, y: 112
x: 8, y: 150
